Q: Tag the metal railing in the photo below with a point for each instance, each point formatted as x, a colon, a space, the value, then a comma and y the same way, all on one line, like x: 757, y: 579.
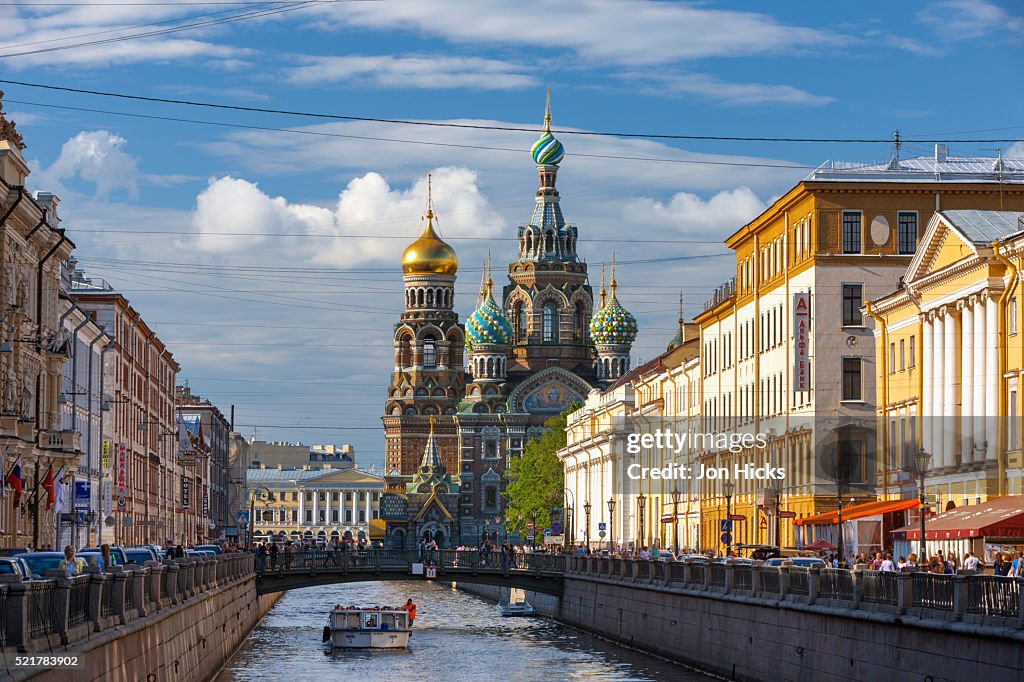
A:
x: 799, y: 581
x: 878, y: 587
x: 40, y: 609
x: 994, y: 595
x: 402, y: 559
x: 933, y: 591
x: 78, y: 600
x: 836, y: 584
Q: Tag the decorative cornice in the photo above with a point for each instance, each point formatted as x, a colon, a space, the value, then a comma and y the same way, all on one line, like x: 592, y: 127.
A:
x: 8, y: 129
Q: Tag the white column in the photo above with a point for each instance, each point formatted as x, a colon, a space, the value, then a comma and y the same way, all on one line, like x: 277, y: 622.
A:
x: 967, y: 381
x: 928, y: 379
x: 938, y: 384
x: 369, y: 507
x: 949, y: 388
x: 302, y: 506
x: 992, y: 379
x: 978, y: 432
x: 316, y: 508
x: 355, y: 503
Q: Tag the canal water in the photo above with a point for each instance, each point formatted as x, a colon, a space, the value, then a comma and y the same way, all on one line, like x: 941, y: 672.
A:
x: 457, y: 637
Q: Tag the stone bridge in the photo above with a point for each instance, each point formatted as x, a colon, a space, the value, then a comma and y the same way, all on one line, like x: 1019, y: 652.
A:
x: 535, y: 572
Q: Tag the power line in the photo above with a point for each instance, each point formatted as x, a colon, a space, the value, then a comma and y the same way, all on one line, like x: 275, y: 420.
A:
x: 477, y: 126
x: 321, y: 133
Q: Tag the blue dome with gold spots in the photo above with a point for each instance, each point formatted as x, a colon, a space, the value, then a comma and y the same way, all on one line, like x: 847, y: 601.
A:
x: 488, y: 324
x: 613, y: 325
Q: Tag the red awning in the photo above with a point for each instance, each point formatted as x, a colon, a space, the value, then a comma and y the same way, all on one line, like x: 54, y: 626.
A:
x: 858, y: 511
x: 1002, y: 517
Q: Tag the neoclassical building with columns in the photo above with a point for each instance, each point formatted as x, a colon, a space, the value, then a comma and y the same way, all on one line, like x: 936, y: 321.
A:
x: 950, y: 357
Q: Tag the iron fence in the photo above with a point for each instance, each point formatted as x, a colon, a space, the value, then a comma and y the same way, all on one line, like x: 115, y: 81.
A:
x: 799, y: 581
x: 877, y: 587
x: 993, y: 595
x: 78, y: 601
x: 933, y: 591
x: 836, y: 583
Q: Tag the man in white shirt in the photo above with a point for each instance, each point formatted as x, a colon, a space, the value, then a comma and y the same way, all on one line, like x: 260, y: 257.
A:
x: 887, y: 566
x: 971, y: 562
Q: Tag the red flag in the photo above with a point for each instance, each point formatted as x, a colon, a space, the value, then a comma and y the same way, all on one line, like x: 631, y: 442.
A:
x: 48, y: 487
x: 14, y: 480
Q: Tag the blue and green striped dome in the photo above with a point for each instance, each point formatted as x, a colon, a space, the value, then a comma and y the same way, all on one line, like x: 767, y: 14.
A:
x: 613, y: 325
x: 488, y: 325
x: 547, y: 150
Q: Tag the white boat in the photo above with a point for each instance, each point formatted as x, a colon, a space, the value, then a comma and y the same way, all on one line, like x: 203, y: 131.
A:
x: 517, y: 608
x: 368, y: 628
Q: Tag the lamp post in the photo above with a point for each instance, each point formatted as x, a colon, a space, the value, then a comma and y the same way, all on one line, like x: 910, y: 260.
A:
x: 586, y: 529
x: 569, y: 530
x: 252, y: 507
x: 533, y: 543
x: 641, y: 501
x: 836, y: 474
x: 675, y: 519
x: 922, y: 458
x: 728, y: 487
x: 611, y: 524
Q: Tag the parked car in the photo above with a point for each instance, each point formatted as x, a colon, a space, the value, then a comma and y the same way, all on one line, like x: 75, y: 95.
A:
x: 803, y: 561
x: 39, y: 562
x: 13, y: 551
x: 117, y: 556
x: 216, y: 549
x: 196, y: 553
x: 204, y: 552
x: 15, y: 567
x: 92, y: 557
x: 733, y: 560
x: 699, y: 558
x: 140, y: 555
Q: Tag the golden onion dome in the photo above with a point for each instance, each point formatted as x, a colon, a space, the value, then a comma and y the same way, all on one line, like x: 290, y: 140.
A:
x: 429, y: 255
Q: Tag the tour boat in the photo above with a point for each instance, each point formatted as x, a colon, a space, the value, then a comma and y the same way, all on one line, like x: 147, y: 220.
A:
x: 518, y: 608
x: 368, y: 628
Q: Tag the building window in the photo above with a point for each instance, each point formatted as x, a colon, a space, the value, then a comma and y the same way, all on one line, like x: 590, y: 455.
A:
x: 851, y: 379
x: 334, y: 516
x: 309, y: 496
x: 853, y: 295
x: 490, y: 497
x: 892, y: 358
x: 902, y: 355
x: 550, y: 325
x: 1013, y: 315
x: 429, y: 354
x: 913, y: 354
x: 309, y: 516
x: 348, y: 516
x: 851, y: 231
x: 907, y: 232
x: 362, y: 516
x: 348, y: 496
x: 1011, y: 423
x: 376, y: 495
x: 362, y: 497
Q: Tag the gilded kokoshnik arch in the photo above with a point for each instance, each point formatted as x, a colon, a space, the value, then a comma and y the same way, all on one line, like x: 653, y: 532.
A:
x: 468, y: 397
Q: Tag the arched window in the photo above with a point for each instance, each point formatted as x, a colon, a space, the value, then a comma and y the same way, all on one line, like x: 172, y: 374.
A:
x: 419, y: 297
x: 529, y: 243
x: 519, y: 319
x: 430, y: 298
x: 429, y: 354
x: 549, y: 243
x: 550, y: 322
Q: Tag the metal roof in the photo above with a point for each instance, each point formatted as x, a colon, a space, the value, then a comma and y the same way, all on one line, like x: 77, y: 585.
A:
x: 305, y: 475
x: 985, y: 227
x: 939, y: 167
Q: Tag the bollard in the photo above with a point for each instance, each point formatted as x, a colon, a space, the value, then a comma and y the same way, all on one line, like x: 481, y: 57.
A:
x: 730, y: 577
x: 171, y: 571
x: 783, y: 581
x: 756, y: 584
x: 960, y: 597
x: 16, y: 615
x: 904, y: 592
x: 119, y: 584
x: 813, y: 583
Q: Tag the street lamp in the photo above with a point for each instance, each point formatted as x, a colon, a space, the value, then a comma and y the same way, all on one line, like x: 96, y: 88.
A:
x: 675, y: 518
x: 922, y: 459
x: 611, y: 523
x: 586, y: 529
x: 641, y: 500
x: 837, y: 475
x: 570, y: 503
x: 728, y: 487
x: 252, y: 507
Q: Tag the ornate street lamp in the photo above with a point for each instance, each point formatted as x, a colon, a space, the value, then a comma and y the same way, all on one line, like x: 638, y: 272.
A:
x: 728, y: 487
x: 611, y: 523
x: 675, y: 518
x: 641, y: 504
x: 922, y: 458
x: 586, y: 529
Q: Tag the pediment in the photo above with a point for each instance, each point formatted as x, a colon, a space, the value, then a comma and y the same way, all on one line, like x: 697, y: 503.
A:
x: 942, y: 246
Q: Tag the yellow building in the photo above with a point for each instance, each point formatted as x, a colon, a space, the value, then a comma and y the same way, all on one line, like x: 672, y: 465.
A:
x: 313, y: 502
x: 950, y: 359
x: 807, y: 383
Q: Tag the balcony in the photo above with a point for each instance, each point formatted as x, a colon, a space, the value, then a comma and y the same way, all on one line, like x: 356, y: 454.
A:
x: 13, y: 426
x: 64, y: 441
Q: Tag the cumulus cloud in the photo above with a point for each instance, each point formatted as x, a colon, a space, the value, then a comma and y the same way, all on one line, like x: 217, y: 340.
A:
x: 420, y: 71
x: 969, y: 19
x: 717, y: 90
x: 688, y: 214
x: 1016, y: 151
x: 97, y: 157
x: 342, y: 235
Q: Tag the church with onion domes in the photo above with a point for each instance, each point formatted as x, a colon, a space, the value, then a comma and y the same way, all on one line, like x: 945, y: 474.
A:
x: 465, y: 398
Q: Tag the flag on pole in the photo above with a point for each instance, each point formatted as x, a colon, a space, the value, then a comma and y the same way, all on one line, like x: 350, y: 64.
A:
x: 14, y: 480
x: 48, y: 487
x: 58, y: 506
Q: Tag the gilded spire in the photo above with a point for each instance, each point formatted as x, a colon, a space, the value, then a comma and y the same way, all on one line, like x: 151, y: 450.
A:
x: 601, y: 294
x: 613, y: 285
x: 430, y: 201
x: 547, y: 113
x: 490, y: 282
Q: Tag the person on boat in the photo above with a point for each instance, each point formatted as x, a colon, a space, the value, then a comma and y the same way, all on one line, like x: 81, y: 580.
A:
x: 410, y: 607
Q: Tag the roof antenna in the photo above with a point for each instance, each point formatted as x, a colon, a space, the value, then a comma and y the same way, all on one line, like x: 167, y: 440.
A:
x: 897, y: 141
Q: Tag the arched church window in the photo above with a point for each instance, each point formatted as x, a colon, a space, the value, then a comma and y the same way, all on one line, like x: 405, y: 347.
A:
x: 519, y: 318
x: 550, y: 322
x: 430, y: 298
x: 549, y: 243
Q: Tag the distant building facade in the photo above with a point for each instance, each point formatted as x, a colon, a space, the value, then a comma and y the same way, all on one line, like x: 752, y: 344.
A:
x: 210, y: 428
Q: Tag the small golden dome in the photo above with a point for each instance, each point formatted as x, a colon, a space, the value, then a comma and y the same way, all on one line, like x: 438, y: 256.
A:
x: 429, y: 255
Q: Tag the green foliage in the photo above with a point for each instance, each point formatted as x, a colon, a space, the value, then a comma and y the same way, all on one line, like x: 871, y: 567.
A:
x: 535, y: 481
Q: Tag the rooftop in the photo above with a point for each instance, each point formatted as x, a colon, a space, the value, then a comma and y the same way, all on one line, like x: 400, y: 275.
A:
x: 985, y: 227
x: 938, y: 167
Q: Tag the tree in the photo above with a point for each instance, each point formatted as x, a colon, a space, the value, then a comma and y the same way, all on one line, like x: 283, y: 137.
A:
x: 535, y: 481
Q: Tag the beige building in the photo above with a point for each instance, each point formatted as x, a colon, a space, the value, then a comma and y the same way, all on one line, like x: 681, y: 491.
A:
x: 33, y: 348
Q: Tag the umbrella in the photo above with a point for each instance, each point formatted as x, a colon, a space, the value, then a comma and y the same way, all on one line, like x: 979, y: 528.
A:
x: 822, y: 545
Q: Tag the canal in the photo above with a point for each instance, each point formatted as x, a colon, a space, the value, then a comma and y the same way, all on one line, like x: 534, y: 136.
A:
x: 457, y: 637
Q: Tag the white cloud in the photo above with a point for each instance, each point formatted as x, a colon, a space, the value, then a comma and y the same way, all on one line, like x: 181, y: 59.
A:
x: 95, y: 156
x: 968, y: 19
x: 736, y: 94
x: 688, y: 214
x: 620, y: 32
x: 419, y: 71
x: 1016, y: 151
x: 367, y: 206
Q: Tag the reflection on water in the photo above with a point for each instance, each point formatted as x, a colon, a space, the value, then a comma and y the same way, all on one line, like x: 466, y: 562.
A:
x: 457, y: 637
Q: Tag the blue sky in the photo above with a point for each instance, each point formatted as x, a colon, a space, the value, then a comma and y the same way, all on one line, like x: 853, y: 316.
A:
x: 294, y: 328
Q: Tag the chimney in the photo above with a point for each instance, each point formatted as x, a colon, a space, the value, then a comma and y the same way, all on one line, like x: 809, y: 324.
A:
x: 941, y: 153
x: 49, y: 201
